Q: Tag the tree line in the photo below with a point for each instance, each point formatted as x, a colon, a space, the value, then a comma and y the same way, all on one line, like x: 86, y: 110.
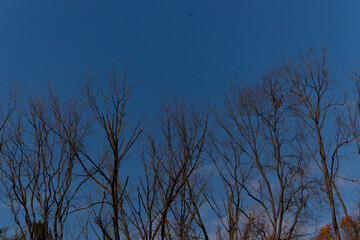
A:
x: 266, y: 163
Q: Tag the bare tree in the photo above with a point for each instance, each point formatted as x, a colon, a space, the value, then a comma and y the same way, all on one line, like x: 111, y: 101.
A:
x: 107, y: 110
x: 171, y: 193
x: 144, y: 206
x: 37, y: 173
x: 262, y: 164
x: 275, y: 147
x: 310, y: 84
x: 351, y: 120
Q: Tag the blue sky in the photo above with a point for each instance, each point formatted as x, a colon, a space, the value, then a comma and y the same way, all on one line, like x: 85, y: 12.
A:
x: 169, y: 46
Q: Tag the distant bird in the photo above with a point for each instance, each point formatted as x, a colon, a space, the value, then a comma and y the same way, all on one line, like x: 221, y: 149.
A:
x: 190, y: 15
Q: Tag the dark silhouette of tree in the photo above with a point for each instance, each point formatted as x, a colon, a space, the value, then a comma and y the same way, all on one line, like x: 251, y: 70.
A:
x: 171, y: 193
x: 310, y: 84
x: 262, y: 163
x: 277, y: 148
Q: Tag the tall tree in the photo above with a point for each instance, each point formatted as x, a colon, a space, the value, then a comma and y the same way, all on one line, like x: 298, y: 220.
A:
x: 262, y: 163
x: 107, y: 109
x: 312, y: 100
x: 37, y: 172
x: 171, y: 193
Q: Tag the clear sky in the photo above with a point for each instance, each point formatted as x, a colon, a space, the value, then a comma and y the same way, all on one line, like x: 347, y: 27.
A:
x: 171, y: 46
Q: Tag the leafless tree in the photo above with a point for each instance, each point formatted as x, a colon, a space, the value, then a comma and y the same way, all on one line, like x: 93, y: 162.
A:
x: 262, y: 164
x: 310, y: 90
x: 107, y: 111
x: 351, y: 119
x: 274, y: 148
x: 171, y: 193
x: 37, y: 169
